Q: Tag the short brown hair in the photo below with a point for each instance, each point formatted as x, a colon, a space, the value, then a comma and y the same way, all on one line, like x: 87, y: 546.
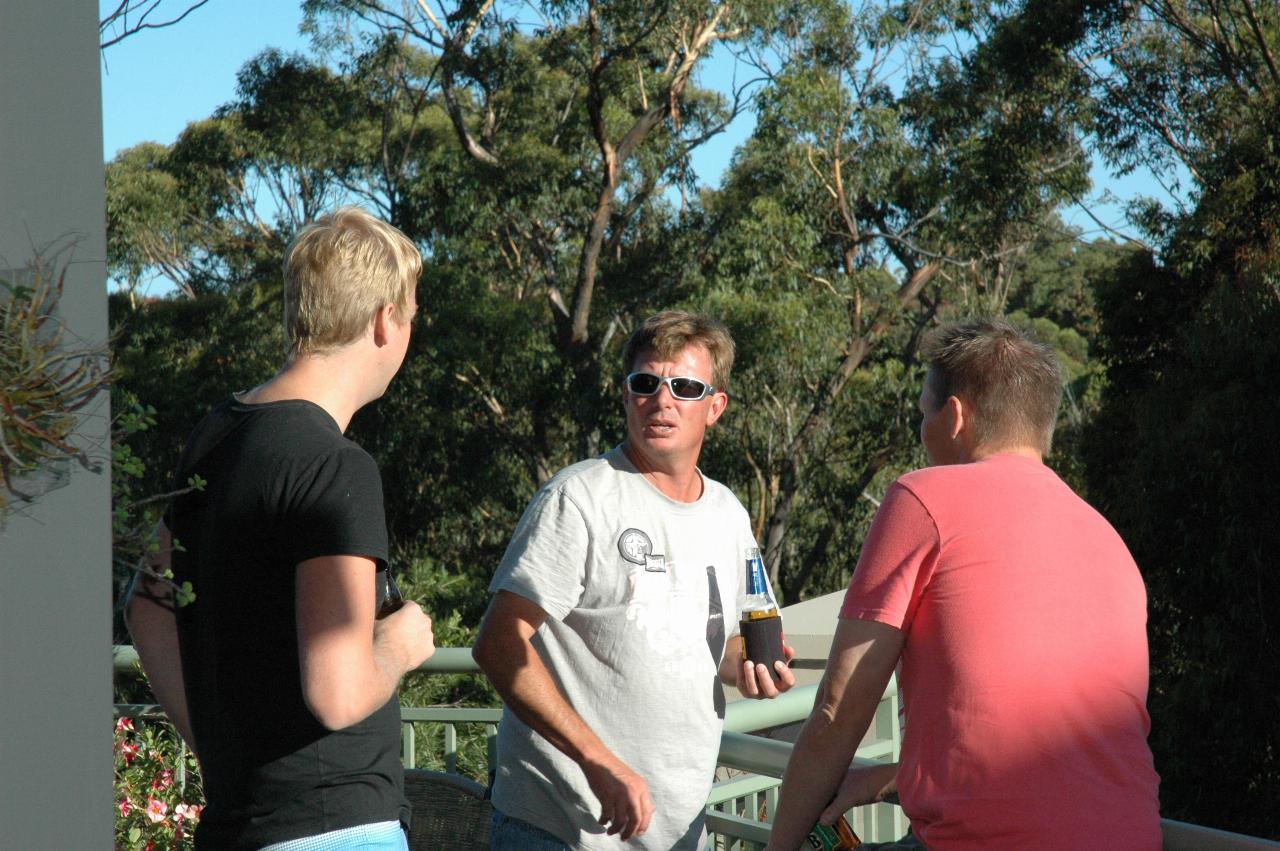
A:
x: 1010, y: 380
x: 670, y: 332
x: 338, y: 272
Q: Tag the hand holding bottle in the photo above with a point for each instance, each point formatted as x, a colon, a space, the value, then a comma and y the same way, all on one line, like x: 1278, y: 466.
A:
x: 761, y: 624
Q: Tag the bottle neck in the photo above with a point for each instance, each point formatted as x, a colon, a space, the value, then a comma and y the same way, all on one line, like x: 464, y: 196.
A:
x: 760, y: 614
x: 759, y: 602
x: 757, y: 585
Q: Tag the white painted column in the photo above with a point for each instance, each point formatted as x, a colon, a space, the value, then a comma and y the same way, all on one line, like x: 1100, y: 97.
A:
x: 55, y: 589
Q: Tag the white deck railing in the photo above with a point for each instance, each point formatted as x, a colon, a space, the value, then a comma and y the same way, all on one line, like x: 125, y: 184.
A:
x: 744, y: 795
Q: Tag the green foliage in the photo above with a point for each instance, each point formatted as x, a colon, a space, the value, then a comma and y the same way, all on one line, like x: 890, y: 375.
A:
x: 847, y: 224
x: 451, y: 630
x: 1181, y: 451
x: 884, y: 188
x: 907, y: 167
x: 1177, y: 459
x: 157, y: 787
x: 133, y: 518
x: 183, y: 356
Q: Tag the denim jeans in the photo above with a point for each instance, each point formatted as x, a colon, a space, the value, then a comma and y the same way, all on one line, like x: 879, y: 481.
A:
x: 382, y: 836
x: 512, y: 834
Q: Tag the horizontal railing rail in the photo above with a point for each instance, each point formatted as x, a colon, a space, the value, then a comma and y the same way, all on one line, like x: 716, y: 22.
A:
x: 446, y: 660
x: 740, y: 806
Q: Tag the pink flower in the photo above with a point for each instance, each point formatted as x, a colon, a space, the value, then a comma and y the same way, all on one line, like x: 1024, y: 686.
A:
x: 126, y: 806
x: 123, y: 724
x: 129, y: 752
x: 150, y: 846
x: 156, y: 810
x: 186, y: 811
x: 163, y: 780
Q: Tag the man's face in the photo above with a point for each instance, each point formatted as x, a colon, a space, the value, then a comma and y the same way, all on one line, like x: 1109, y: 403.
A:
x: 666, y: 430
x: 935, y: 427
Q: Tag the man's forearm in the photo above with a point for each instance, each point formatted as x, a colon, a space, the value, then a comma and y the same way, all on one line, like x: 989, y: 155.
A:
x: 528, y: 688
x: 821, y: 756
x: 154, y: 629
x: 504, y: 649
x: 863, y: 654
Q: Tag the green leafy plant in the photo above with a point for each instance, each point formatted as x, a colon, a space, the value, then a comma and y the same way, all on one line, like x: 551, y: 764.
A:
x: 157, y: 788
x: 133, y: 520
x: 46, y: 381
x: 158, y: 796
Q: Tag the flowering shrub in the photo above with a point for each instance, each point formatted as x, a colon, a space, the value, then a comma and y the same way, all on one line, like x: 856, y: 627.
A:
x: 157, y: 791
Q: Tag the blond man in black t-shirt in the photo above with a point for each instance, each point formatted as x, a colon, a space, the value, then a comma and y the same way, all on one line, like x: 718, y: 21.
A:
x: 279, y: 675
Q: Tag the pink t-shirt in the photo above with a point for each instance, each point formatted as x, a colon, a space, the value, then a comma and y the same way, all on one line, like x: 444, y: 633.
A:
x: 1024, y: 672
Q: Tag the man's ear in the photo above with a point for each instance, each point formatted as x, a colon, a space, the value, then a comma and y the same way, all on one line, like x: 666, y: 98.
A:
x: 719, y: 401
x: 956, y: 415
x: 382, y: 322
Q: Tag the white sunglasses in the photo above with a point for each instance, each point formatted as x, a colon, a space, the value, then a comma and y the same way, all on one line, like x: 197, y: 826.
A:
x: 681, y: 387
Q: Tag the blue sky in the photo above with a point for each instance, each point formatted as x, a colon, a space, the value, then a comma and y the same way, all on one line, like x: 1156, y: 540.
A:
x: 157, y: 81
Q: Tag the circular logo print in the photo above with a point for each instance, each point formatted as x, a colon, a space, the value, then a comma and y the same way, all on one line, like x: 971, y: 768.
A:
x: 634, y: 545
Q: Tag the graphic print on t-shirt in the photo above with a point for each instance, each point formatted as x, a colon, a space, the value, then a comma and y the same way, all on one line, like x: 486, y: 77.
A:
x: 715, y: 637
x: 634, y: 545
x: 663, y: 604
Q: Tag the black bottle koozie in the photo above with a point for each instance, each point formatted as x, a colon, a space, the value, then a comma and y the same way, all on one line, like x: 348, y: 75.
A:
x: 763, y: 642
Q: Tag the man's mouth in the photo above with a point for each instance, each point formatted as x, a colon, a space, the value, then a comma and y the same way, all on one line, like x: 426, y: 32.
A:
x: 659, y: 427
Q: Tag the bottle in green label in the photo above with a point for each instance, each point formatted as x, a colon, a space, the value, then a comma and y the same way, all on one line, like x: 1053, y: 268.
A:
x: 836, y: 837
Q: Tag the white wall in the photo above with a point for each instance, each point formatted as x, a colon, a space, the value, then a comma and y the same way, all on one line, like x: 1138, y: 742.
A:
x: 55, y: 590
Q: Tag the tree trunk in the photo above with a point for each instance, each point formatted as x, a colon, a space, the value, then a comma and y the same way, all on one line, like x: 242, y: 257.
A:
x: 799, y: 452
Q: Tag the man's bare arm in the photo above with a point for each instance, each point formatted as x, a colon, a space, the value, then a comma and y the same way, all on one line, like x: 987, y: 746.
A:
x: 504, y: 650
x: 151, y: 614
x: 351, y: 664
x: 863, y: 656
x: 863, y: 784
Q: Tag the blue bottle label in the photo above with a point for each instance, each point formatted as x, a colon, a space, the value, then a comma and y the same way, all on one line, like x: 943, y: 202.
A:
x: 756, y: 583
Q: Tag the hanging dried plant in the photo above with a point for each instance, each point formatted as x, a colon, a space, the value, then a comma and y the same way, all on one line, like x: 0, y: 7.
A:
x: 45, y: 383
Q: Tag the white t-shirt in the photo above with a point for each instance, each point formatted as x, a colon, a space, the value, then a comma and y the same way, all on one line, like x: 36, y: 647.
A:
x: 642, y: 594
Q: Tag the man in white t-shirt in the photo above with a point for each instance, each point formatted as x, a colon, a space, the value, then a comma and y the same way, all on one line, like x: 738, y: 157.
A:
x: 614, y: 620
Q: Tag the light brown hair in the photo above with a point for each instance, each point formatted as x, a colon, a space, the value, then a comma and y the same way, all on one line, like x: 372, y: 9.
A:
x: 1009, y: 380
x: 338, y: 272
x: 670, y: 332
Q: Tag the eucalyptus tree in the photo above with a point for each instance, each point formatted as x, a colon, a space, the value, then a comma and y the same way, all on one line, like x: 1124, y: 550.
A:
x: 1187, y: 442
x: 1180, y: 452
x: 213, y: 210
x: 895, y: 177
x: 577, y: 127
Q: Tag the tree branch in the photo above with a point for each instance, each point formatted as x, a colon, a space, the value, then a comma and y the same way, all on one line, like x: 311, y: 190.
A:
x: 615, y: 157
x: 797, y: 454
x: 126, y: 8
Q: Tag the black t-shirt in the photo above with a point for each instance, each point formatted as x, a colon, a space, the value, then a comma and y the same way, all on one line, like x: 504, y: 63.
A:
x: 283, y: 486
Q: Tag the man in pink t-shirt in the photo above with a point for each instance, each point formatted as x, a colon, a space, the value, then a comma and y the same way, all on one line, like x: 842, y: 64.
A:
x: 1018, y: 620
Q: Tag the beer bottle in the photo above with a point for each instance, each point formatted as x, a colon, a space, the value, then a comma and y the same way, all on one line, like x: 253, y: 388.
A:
x: 761, y: 624
x: 837, y: 837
